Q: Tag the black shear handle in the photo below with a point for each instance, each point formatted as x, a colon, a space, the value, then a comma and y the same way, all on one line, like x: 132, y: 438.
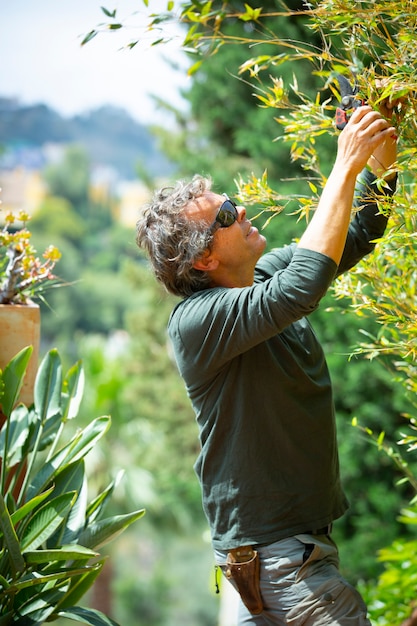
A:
x: 348, y: 103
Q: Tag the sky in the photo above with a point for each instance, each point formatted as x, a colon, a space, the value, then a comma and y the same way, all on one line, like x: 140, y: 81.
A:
x: 42, y: 61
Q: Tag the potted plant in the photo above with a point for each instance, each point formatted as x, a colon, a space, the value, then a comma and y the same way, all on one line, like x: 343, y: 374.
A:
x: 23, y: 278
x: 51, y: 527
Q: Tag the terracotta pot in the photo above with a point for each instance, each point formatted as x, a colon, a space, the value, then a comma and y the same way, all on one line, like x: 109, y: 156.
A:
x: 20, y: 327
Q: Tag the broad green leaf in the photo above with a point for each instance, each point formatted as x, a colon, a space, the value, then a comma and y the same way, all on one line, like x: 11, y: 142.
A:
x: 73, y: 391
x: 35, y: 608
x: 48, y: 386
x: 87, y: 616
x: 79, y: 586
x: 85, y: 440
x: 96, y: 506
x: 77, y: 448
x: 24, y: 510
x: 45, y: 521
x: 72, y: 478
x: 12, y: 377
x: 99, y: 533
x: 6, y: 619
x: 17, y: 432
x: 65, y: 553
x: 49, y: 431
x: 34, y: 579
x: 16, y: 560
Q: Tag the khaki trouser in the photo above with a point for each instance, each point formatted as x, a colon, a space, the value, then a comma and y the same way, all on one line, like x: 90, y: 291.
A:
x: 301, y: 586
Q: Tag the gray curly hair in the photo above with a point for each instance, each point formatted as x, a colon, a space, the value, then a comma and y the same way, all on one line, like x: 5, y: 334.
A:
x: 172, y: 241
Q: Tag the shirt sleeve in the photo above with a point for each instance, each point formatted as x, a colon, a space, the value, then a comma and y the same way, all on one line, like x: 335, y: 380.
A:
x: 368, y: 223
x: 220, y: 323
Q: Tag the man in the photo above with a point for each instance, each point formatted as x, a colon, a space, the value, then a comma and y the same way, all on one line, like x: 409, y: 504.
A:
x: 257, y: 378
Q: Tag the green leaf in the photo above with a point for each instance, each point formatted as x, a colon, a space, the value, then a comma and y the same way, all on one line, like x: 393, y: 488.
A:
x: 80, y: 585
x: 64, y: 553
x: 34, y: 579
x: 45, y: 521
x: 96, y: 506
x: 89, y: 37
x: 76, y: 449
x: 74, y: 389
x: 24, y: 510
x: 109, y: 13
x: 14, y: 437
x: 87, y: 616
x: 48, y: 386
x: 72, y: 478
x: 41, y: 594
x: 11, y: 541
x: 193, y: 69
x: 12, y: 377
x: 99, y: 533
x: 37, y: 608
x: 251, y: 14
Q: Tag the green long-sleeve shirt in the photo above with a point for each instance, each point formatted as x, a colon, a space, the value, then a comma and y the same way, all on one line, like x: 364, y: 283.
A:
x: 260, y: 387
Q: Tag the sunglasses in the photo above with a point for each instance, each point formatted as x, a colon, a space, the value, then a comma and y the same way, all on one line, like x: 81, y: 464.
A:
x: 227, y: 214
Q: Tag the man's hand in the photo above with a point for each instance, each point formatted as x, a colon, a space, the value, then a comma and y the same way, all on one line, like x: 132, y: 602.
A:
x: 385, y: 154
x: 365, y: 132
x: 368, y: 133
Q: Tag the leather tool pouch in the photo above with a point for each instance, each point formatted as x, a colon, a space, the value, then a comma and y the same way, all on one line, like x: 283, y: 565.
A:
x: 242, y: 566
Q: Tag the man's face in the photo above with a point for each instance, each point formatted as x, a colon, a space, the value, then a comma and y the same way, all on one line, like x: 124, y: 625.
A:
x: 237, y: 247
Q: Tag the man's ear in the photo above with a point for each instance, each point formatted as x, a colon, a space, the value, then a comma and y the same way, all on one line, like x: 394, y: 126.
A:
x: 206, y: 263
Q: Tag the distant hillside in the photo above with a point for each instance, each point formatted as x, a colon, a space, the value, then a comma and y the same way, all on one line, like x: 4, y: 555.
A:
x: 110, y: 136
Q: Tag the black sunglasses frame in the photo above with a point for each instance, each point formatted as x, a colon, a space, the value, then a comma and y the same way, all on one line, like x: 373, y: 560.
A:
x: 226, y: 215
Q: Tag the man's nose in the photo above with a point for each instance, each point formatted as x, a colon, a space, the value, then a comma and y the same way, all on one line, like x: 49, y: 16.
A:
x: 241, y: 213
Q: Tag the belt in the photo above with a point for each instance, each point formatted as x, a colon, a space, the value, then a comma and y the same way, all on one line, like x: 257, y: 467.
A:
x: 326, y: 530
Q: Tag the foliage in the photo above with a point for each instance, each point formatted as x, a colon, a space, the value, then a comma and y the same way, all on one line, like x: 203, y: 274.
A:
x: 23, y: 276
x: 75, y: 187
x: 395, y: 593
x: 164, y: 408
x: 50, y: 529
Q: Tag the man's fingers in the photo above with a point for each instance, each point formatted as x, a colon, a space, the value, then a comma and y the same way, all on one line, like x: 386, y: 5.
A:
x: 364, y: 116
x: 367, y: 118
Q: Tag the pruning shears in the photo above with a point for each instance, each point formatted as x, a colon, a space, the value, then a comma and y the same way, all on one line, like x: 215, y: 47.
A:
x: 348, y: 102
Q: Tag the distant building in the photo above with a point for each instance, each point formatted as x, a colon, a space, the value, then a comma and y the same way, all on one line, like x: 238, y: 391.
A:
x: 132, y: 195
x: 21, y: 189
